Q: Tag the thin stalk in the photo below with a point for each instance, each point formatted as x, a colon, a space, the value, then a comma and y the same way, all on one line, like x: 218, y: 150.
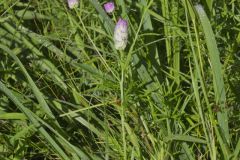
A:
x: 122, y: 105
x: 100, y: 55
x: 195, y: 83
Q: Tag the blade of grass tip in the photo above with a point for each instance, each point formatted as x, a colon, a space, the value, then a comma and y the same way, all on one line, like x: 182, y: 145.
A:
x: 236, y: 151
x: 35, y: 122
x: 33, y: 86
x: 188, y: 151
x: 209, y: 4
x: 185, y: 138
x: 218, y: 82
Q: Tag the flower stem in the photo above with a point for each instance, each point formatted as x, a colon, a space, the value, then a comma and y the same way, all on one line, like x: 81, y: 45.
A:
x: 123, y: 106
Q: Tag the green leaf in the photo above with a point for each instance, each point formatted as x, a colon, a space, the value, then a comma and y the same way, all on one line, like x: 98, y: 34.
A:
x: 185, y: 138
x: 34, y: 121
x: 214, y: 56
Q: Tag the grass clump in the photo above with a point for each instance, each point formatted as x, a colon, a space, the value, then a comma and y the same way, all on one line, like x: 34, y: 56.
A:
x: 66, y: 92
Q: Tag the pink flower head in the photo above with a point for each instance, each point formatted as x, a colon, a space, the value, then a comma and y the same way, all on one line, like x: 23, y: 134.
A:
x: 120, y: 36
x: 73, y: 3
x: 109, y: 7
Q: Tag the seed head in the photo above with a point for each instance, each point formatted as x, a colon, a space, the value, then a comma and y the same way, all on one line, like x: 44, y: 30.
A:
x: 121, y: 34
x: 73, y: 3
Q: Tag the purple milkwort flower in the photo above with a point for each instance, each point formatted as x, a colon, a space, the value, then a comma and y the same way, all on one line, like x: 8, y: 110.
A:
x: 73, y: 3
x: 109, y: 7
x: 120, y: 36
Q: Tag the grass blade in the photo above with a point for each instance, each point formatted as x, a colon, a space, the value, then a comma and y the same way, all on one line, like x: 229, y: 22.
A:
x: 32, y: 118
x: 33, y: 86
x: 220, y: 95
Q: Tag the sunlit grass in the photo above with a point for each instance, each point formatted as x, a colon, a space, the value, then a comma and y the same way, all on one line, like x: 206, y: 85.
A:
x: 67, y: 93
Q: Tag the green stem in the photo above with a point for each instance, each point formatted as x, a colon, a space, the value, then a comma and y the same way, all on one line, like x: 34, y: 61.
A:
x: 122, y: 105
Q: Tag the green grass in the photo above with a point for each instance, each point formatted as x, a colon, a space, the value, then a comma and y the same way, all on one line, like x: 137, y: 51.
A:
x: 67, y: 93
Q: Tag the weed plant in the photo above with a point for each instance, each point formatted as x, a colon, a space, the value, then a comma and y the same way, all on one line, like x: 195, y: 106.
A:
x: 172, y: 93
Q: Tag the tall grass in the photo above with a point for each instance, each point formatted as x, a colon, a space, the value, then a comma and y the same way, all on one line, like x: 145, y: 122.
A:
x: 67, y: 93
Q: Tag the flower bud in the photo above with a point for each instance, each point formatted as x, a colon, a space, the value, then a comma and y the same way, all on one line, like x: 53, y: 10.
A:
x: 73, y: 3
x: 109, y: 7
x: 121, y: 34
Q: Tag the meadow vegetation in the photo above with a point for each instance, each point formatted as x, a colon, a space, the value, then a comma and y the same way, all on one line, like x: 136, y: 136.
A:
x: 67, y: 93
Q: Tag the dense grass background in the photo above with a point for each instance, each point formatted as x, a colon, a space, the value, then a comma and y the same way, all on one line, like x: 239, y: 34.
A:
x: 67, y: 93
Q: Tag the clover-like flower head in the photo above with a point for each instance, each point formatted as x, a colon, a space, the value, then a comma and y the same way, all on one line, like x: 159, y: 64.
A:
x: 121, y: 34
x: 73, y: 3
x: 109, y: 7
